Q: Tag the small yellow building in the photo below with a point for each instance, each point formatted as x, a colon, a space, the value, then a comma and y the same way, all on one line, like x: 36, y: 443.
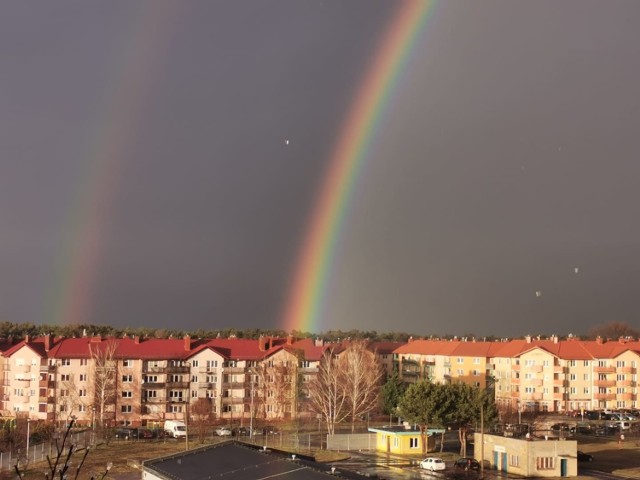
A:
x: 403, y: 441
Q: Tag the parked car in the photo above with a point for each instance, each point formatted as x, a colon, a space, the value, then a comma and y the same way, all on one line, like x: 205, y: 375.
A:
x: 126, y: 433
x: 270, y: 430
x: 223, y: 431
x: 467, y: 463
x: 433, y: 464
x: 584, y: 457
x: 241, y: 431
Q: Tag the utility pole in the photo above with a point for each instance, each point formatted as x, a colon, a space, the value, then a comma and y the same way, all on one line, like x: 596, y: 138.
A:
x: 481, y: 442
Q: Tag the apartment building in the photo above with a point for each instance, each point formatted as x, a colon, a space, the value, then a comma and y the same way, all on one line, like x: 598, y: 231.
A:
x: 130, y: 381
x: 531, y: 374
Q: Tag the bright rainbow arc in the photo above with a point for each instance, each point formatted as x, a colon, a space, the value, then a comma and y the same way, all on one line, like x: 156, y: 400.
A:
x: 349, y: 155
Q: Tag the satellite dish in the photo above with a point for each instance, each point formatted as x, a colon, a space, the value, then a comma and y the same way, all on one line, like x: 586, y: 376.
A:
x: 538, y: 293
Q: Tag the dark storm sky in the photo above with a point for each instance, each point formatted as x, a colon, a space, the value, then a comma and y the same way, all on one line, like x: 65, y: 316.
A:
x: 507, y: 158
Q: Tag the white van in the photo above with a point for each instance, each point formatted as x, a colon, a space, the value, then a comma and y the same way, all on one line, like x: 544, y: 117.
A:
x: 175, y: 428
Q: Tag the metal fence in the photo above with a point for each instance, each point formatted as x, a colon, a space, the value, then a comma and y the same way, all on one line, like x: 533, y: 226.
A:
x: 39, y: 452
x: 353, y: 441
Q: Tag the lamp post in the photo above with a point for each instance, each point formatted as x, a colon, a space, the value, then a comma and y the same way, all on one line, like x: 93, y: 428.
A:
x: 251, y: 407
x: 28, y: 435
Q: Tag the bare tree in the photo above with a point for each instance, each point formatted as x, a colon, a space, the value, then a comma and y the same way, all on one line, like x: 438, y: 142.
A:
x: 361, y: 376
x: 201, y: 416
x: 104, y: 376
x: 326, y: 392
x: 70, y: 400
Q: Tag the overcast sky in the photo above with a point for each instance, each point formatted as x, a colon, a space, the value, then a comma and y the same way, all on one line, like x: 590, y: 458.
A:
x: 146, y: 178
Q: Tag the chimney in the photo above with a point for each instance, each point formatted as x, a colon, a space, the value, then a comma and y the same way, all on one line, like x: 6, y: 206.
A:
x: 289, y: 339
x: 528, y: 338
x: 270, y: 342
x: 261, y: 344
x: 26, y: 339
x: 187, y: 343
x: 410, y: 339
x: 622, y: 340
x: 96, y: 339
x: 319, y: 342
x: 554, y: 338
x: 47, y: 342
x: 599, y: 340
x: 136, y: 339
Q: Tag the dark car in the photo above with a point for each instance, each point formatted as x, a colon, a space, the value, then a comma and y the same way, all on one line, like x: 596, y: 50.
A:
x: 270, y: 430
x: 584, y: 457
x: 241, y: 431
x: 144, y: 433
x: 127, y: 433
x: 467, y: 463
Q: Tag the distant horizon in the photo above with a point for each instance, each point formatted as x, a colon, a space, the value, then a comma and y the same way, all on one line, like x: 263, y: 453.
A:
x: 88, y: 330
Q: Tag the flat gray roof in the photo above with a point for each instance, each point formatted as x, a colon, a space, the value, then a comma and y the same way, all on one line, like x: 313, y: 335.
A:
x: 240, y: 461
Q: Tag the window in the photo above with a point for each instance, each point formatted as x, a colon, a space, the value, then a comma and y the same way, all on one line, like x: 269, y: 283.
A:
x: 572, y: 376
x: 475, y: 373
x: 126, y: 408
x: 66, y: 362
x: 572, y: 390
x: 127, y: 394
x: 305, y: 364
x: 194, y: 394
x: 83, y: 362
x: 620, y: 363
x: 175, y: 394
x: 82, y: 377
x: 175, y: 408
x: 585, y: 376
x: 529, y: 389
x: 514, y: 460
x: 460, y: 372
x: 476, y: 361
x: 127, y: 363
x: 621, y: 377
x: 150, y: 379
x: 194, y: 363
x: 413, y: 443
x: 586, y: 363
x: 586, y: 390
x: 545, y: 463
x: 127, y: 378
x: 530, y: 362
x: 395, y: 441
x: 572, y: 363
x: 460, y: 360
x: 65, y: 377
x: 64, y: 393
x: 151, y: 394
x: 82, y: 408
x: 194, y: 378
x: 176, y: 378
x: 213, y: 364
x: 82, y: 392
x: 212, y: 379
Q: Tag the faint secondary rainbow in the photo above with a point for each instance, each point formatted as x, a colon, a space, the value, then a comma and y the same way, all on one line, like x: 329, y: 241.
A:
x: 346, y: 161
x: 113, y: 142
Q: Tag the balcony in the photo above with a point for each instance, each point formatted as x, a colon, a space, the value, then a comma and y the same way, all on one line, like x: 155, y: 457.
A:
x: 151, y: 385
x: 47, y: 368
x: 22, y: 368
x: 558, y: 369
x: 154, y: 400
x: 626, y: 383
x: 234, y: 400
x: 626, y: 396
x: 178, y: 369
x: 234, y: 385
x: 626, y: 370
x: 536, y: 382
x: 206, y: 385
x: 604, y: 369
x: 515, y: 367
x: 605, y: 383
x: 181, y: 385
x: 515, y: 381
x: 147, y: 369
x: 234, y: 370
x: 604, y: 396
x: 308, y: 370
x: 535, y: 368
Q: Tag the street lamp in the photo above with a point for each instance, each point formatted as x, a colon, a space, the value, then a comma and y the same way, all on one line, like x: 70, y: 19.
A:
x: 28, y: 434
